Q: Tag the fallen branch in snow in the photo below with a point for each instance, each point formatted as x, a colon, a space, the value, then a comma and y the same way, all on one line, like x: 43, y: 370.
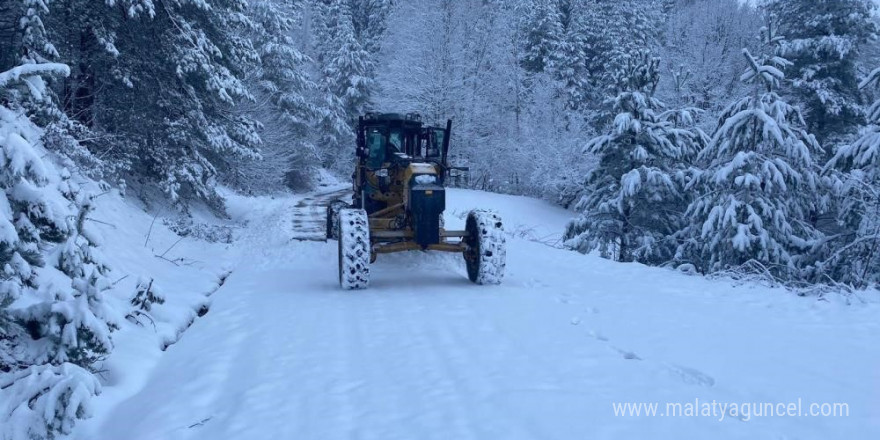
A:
x: 170, y: 261
x: 102, y: 222
x: 179, y: 261
x: 135, y: 314
x: 150, y: 231
x: 751, y: 271
x: 528, y: 233
x: 172, y: 247
x: 754, y: 272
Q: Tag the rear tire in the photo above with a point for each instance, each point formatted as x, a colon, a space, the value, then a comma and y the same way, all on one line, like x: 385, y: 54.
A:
x: 485, y: 254
x: 354, y: 249
x: 333, y: 218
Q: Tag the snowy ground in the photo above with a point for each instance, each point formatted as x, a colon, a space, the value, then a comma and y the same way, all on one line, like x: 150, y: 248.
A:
x: 424, y: 354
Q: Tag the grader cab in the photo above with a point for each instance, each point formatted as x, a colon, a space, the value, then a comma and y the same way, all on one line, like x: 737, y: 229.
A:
x: 399, y: 196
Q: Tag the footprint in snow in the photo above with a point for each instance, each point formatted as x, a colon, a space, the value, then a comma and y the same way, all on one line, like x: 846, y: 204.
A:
x: 628, y: 354
x: 690, y: 375
x: 535, y: 283
x: 598, y: 336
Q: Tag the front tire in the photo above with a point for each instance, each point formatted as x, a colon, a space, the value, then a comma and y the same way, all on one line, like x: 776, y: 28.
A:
x: 485, y: 255
x: 354, y: 249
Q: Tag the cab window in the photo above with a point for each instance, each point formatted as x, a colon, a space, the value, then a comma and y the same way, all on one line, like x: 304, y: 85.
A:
x: 376, y: 142
x: 436, y: 143
x: 395, y: 139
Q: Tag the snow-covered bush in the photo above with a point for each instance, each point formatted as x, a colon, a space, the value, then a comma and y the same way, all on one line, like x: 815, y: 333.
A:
x: 186, y: 227
x: 633, y: 200
x: 45, y: 401
x: 757, y: 190
x: 147, y: 294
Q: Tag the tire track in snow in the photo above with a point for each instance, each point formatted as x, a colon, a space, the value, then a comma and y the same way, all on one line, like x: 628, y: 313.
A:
x: 474, y: 380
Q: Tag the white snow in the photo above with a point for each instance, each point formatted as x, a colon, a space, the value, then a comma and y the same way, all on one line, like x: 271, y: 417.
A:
x: 33, y: 71
x: 425, y: 179
x: 425, y: 354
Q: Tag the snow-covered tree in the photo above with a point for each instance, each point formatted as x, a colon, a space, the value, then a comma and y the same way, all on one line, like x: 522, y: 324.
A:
x: 542, y: 34
x: 76, y: 325
x: 156, y: 85
x: 54, y: 324
x: 284, y: 103
x: 757, y: 190
x: 35, y: 46
x: 701, y: 53
x: 370, y: 20
x: 569, y: 64
x: 633, y: 199
x: 853, y: 255
x: 575, y: 41
x: 33, y: 211
x: 615, y: 27
x: 347, y: 72
x: 347, y: 36
x: 824, y: 41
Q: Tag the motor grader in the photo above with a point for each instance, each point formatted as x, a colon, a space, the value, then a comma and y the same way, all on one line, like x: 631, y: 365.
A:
x: 399, y: 196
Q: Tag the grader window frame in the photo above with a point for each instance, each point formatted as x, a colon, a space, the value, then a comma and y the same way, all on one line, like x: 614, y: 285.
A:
x: 414, y: 139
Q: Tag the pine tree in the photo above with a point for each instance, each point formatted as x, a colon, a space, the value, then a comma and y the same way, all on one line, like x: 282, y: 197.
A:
x: 156, y: 85
x: 51, y: 335
x: 284, y: 104
x: 45, y: 401
x: 33, y: 211
x: 542, y: 35
x: 757, y: 190
x: 612, y: 28
x: 703, y: 39
x: 347, y: 79
x: 824, y: 41
x: 78, y: 323
x: 347, y: 73
x: 74, y: 326
x: 634, y: 200
x: 853, y: 255
x: 35, y: 46
x: 370, y: 21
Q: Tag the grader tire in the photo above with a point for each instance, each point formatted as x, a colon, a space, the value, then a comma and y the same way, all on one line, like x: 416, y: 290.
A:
x: 485, y: 254
x: 354, y: 249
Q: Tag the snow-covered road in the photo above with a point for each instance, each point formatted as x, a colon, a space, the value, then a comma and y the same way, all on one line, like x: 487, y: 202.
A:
x: 425, y: 354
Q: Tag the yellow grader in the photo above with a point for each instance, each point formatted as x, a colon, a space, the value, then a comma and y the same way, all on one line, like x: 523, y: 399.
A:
x: 398, y: 202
